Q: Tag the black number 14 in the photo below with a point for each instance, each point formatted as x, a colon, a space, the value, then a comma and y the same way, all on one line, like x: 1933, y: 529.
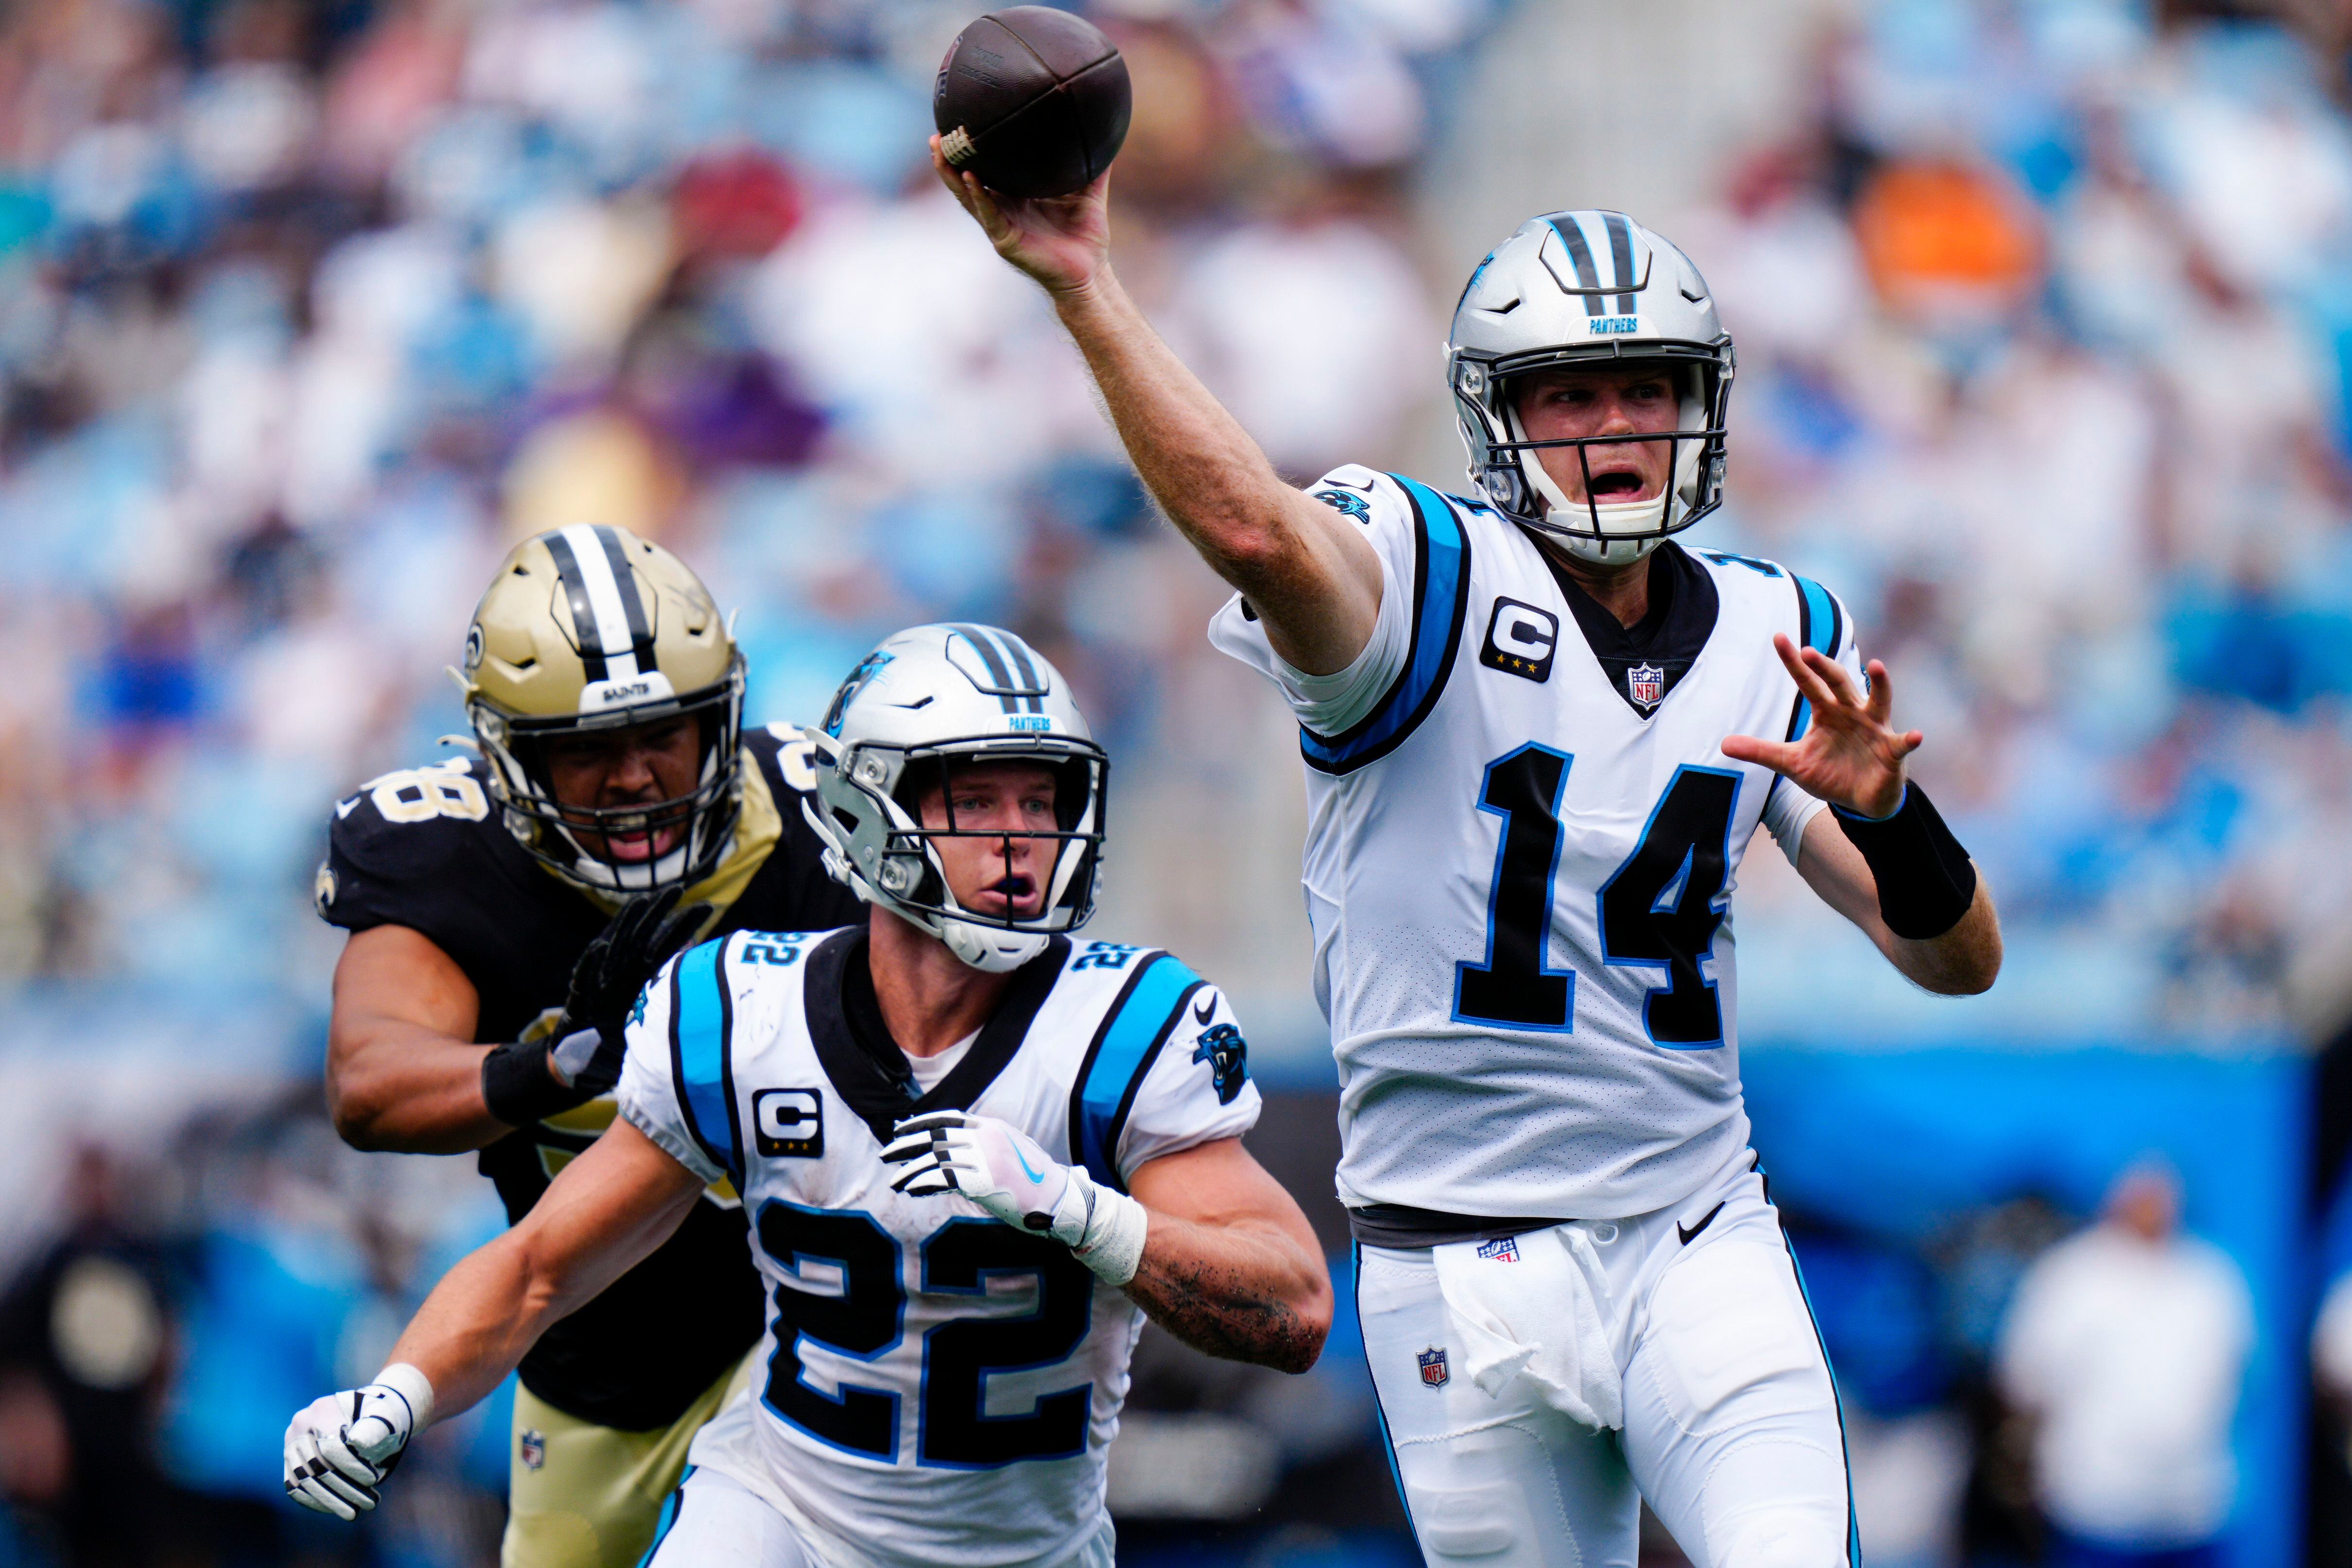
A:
x: 1658, y: 909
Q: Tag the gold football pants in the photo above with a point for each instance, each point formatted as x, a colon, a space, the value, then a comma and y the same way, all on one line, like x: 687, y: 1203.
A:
x: 585, y: 1496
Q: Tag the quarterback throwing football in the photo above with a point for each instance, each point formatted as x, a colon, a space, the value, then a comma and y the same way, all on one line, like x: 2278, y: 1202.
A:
x: 1538, y: 737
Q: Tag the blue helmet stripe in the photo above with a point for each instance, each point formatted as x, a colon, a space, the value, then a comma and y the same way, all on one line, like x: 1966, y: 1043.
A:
x: 1124, y: 1049
x: 1443, y: 592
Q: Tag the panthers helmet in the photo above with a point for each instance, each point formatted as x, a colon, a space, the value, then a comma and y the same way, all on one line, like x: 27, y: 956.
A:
x: 925, y: 701
x: 1588, y: 289
x: 594, y: 629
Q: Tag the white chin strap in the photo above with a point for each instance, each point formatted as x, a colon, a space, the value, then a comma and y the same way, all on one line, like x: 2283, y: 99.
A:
x: 990, y: 949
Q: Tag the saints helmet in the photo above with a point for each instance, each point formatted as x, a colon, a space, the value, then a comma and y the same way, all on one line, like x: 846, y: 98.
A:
x: 1588, y: 289
x: 925, y: 701
x: 587, y: 629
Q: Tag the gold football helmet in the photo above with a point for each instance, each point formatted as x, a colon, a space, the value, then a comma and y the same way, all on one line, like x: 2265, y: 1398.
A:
x: 594, y: 629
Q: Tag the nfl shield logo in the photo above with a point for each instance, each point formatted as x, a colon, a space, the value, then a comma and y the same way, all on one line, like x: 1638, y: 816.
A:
x: 1647, y: 684
x: 1433, y: 1366
x: 534, y: 1448
x: 1502, y: 1250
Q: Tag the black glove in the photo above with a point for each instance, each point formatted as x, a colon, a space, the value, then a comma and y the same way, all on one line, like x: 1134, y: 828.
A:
x: 579, y: 1059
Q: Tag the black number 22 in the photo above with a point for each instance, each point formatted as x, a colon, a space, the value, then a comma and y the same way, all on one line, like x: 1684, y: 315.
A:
x: 1658, y: 909
x: 861, y: 1312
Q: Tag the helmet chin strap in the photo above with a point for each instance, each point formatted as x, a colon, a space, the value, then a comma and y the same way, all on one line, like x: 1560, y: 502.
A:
x: 990, y: 949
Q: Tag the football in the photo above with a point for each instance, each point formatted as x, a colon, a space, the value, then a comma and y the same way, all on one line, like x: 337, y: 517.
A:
x: 1032, y: 100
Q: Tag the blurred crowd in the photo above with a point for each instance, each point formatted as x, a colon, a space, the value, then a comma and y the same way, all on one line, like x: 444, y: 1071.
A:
x: 310, y: 307
x: 2080, y: 466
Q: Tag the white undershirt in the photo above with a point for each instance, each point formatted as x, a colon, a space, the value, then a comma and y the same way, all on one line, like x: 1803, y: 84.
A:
x: 930, y: 1070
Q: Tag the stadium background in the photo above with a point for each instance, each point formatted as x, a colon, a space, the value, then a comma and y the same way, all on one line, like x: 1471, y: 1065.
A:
x: 2044, y: 316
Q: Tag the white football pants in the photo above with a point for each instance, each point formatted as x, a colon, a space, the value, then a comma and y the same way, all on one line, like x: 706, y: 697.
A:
x: 714, y: 1519
x: 1731, y: 1425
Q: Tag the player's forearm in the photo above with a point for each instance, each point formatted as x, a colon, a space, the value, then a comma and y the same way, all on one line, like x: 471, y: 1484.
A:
x: 603, y: 1216
x: 403, y: 1088
x: 1962, y: 959
x: 1216, y: 485
x: 1962, y: 962
x: 478, y: 1322
x: 1199, y: 464
x: 1243, y: 1292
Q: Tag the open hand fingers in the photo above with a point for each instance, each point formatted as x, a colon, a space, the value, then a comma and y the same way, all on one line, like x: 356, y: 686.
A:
x: 1774, y: 754
x: 1882, y: 692
x: 1837, y: 678
x: 1801, y: 669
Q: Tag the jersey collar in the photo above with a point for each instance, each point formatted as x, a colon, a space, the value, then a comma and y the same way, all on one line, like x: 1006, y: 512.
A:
x: 867, y: 1068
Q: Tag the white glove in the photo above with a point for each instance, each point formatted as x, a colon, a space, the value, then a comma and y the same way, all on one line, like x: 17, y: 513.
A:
x: 1004, y: 1170
x: 340, y: 1449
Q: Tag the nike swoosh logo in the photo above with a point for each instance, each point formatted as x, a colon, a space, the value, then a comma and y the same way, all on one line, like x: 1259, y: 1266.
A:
x: 1017, y: 1154
x: 345, y: 808
x: 1689, y: 1233
x: 1203, y: 1011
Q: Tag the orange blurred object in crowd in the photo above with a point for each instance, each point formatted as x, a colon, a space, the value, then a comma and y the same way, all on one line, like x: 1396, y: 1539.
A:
x: 1942, y: 238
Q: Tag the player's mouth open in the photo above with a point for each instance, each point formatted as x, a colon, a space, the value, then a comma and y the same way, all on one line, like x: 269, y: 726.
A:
x: 1007, y: 895
x: 1619, y: 484
x: 632, y: 840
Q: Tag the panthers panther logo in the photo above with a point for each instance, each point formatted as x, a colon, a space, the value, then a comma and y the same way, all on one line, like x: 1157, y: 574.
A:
x: 867, y: 668
x: 1355, y: 507
x: 1227, y: 1054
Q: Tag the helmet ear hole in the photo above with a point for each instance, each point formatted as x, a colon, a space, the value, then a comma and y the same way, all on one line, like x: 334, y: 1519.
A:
x: 918, y: 780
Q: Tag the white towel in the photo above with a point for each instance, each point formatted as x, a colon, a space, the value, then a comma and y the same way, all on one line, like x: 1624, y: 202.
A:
x: 1531, y: 1307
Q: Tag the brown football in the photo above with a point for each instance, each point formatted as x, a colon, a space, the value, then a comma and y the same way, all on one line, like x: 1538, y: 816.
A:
x: 1033, y: 99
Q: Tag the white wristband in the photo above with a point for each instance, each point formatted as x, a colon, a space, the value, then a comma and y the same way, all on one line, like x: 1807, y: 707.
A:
x: 1113, y: 1243
x: 413, y: 1387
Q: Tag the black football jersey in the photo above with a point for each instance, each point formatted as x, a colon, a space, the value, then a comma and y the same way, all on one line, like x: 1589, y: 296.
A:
x: 425, y: 849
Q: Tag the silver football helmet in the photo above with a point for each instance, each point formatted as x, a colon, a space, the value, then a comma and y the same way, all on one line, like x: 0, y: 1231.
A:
x: 1588, y: 289
x: 924, y: 702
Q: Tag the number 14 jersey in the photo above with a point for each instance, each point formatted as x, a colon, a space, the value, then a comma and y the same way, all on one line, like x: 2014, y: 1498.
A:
x: 934, y: 1386
x: 1520, y: 864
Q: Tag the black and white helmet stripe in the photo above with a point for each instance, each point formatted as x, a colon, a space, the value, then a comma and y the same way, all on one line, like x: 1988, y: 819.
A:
x: 1617, y: 235
x: 1014, y: 680
x: 608, y: 613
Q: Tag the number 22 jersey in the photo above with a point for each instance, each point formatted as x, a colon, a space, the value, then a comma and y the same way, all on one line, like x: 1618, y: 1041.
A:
x: 935, y: 1386
x: 1519, y: 863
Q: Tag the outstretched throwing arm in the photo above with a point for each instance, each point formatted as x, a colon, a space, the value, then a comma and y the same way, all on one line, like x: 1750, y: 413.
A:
x: 1314, y: 581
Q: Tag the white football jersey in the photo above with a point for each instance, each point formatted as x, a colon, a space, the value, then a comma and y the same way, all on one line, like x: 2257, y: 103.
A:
x: 934, y: 1385
x: 1520, y: 886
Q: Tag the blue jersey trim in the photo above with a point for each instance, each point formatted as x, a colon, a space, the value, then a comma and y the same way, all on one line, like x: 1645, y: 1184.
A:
x: 1820, y: 624
x: 701, y: 1024
x: 1124, y: 1048
x: 667, y: 1520
x: 1441, y: 594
